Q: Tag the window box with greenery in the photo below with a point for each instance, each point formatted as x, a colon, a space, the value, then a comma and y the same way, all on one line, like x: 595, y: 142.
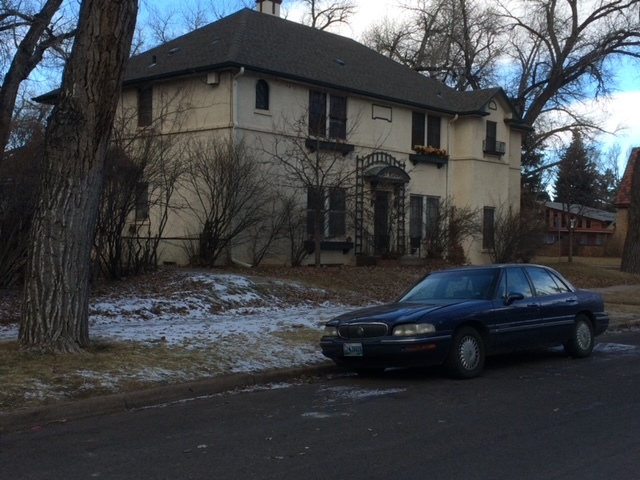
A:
x: 429, y: 154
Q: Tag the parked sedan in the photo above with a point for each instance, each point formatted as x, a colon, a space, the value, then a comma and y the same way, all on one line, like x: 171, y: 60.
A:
x: 458, y: 316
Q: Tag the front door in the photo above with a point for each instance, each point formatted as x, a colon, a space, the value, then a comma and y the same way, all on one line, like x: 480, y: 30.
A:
x: 381, y: 222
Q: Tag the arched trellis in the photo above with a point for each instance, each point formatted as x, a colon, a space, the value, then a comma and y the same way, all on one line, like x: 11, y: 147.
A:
x: 375, y: 167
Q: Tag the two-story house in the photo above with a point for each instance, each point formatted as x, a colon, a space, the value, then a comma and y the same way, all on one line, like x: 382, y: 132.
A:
x: 400, y: 144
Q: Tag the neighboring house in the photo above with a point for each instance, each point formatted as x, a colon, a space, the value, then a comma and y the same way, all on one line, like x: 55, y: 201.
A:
x: 404, y: 143
x: 592, y: 229
x: 623, y: 200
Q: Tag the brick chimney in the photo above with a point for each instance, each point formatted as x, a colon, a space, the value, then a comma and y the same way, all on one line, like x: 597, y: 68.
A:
x: 272, y: 7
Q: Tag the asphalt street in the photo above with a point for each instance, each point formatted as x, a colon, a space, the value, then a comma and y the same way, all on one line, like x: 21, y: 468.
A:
x: 538, y: 415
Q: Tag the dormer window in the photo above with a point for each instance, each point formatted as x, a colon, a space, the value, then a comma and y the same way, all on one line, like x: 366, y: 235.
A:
x: 262, y: 95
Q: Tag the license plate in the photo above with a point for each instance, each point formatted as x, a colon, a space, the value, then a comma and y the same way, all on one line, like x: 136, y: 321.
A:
x: 352, y: 349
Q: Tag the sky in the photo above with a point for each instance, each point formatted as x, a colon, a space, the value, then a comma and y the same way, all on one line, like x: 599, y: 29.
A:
x: 619, y: 114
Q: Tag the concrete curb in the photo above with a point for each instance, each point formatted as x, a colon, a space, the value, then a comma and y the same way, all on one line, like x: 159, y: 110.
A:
x: 39, y: 417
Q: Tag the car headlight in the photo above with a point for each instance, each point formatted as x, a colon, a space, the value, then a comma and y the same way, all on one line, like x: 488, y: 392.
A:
x: 330, y: 331
x: 412, y: 329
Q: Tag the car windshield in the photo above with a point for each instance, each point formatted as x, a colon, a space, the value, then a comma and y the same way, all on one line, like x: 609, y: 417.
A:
x: 457, y: 284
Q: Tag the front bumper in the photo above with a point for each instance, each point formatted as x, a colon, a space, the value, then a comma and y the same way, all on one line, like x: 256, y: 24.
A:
x: 383, y: 352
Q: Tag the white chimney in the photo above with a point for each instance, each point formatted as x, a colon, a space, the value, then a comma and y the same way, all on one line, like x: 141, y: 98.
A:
x: 272, y: 7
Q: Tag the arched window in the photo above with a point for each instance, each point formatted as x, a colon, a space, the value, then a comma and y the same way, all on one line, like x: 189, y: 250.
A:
x: 262, y: 95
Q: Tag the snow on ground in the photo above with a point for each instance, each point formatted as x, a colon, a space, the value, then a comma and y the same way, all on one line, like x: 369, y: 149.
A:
x: 206, y: 311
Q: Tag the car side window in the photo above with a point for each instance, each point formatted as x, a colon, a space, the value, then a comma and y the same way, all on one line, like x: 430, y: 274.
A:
x: 542, y: 281
x: 564, y: 288
x: 517, y: 283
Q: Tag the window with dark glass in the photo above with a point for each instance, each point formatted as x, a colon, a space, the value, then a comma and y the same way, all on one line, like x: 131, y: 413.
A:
x: 543, y: 282
x: 433, y: 131
x: 488, y: 216
x: 433, y: 213
x: 142, y: 201
x: 315, y: 204
x: 491, y: 136
x: 416, y: 219
x: 317, y: 114
x: 145, y: 107
x: 337, y: 117
x: 331, y: 208
x: 517, y: 282
x: 262, y: 95
x: 337, y: 212
x: 417, y: 129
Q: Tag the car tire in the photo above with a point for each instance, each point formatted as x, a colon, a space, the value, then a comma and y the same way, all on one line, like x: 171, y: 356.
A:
x: 466, y: 356
x: 582, y: 340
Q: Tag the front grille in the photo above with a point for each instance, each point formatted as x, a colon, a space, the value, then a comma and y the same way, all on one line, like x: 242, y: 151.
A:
x: 363, y: 330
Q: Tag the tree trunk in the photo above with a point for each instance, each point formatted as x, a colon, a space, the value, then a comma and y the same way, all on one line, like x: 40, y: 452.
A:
x: 55, y: 308
x: 631, y: 252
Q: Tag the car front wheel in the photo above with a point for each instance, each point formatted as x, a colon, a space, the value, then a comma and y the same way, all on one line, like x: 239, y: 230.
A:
x: 581, y: 342
x: 466, y: 357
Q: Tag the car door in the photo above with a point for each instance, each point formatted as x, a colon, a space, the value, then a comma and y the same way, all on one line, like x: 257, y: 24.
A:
x: 516, y: 316
x: 558, y: 305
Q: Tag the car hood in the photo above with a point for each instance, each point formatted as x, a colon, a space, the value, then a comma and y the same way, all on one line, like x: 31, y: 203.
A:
x: 394, y: 312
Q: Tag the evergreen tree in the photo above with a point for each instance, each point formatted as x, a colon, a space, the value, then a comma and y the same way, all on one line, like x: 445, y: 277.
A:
x: 578, y: 178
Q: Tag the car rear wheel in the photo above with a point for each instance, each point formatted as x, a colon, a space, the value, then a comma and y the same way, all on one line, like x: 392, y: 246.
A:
x: 466, y: 357
x: 581, y: 342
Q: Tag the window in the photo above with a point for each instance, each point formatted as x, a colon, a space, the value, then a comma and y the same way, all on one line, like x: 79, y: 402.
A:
x: 416, y: 220
x: 338, y: 117
x: 337, y: 212
x: 491, y: 136
x: 318, y: 115
x: 142, y: 201
x: 418, y: 124
x: 433, y: 213
x: 543, y: 282
x: 417, y: 129
x: 262, y: 95
x: 331, y: 208
x: 488, y: 215
x: 145, y: 107
x: 433, y: 131
x: 517, y: 283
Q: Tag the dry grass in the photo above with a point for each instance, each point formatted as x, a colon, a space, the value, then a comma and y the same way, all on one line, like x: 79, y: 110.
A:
x: 29, y: 379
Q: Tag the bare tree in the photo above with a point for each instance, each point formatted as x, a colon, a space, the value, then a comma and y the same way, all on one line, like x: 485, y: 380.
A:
x: 314, y: 170
x: 26, y: 36
x: 517, y: 234
x: 224, y: 191
x: 322, y: 14
x: 446, y: 230
x: 55, y: 308
x: 458, y: 42
x: 565, y: 52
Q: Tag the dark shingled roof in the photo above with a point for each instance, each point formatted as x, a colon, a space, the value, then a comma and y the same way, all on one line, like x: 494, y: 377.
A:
x: 623, y: 195
x: 273, y: 45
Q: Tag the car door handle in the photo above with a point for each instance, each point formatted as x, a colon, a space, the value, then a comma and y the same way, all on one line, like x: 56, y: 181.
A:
x: 571, y: 300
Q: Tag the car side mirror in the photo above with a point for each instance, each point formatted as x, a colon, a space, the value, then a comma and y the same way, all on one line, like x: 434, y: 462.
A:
x: 512, y: 297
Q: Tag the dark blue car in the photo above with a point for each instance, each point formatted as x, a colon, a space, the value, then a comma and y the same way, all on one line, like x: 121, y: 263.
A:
x: 456, y: 317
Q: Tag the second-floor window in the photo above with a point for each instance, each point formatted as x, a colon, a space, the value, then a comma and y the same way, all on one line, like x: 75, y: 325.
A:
x: 262, y: 95
x: 491, y: 136
x: 323, y: 106
x: 422, y: 124
x: 145, y: 107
